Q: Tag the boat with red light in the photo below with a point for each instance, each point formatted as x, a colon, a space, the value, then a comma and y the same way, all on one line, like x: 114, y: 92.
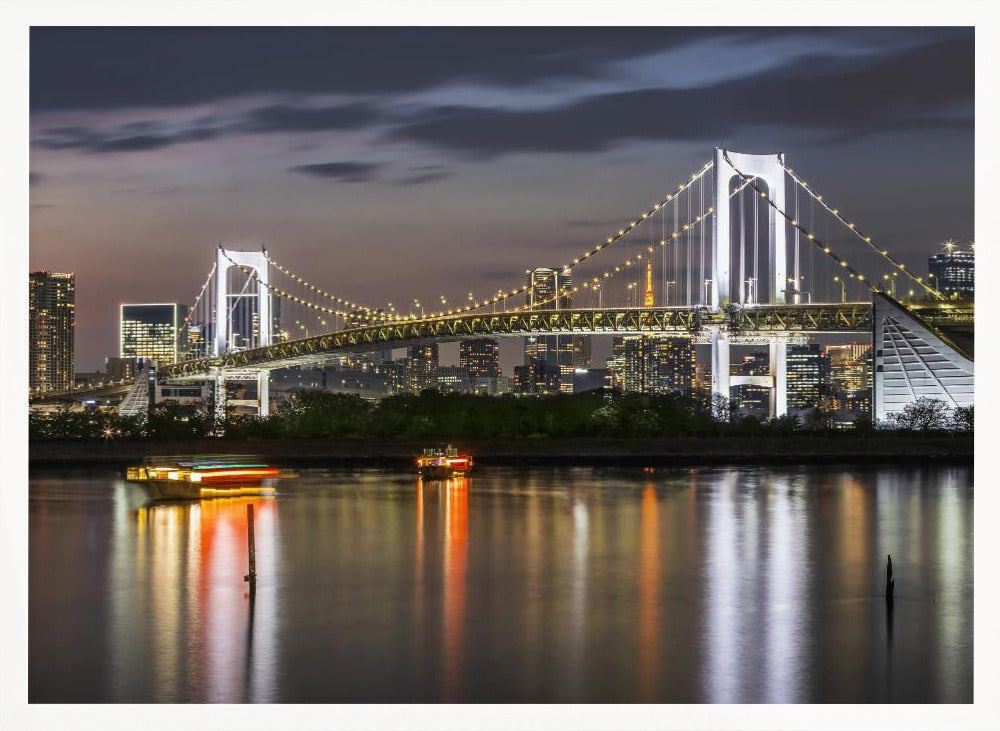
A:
x: 196, y: 478
x: 441, y: 463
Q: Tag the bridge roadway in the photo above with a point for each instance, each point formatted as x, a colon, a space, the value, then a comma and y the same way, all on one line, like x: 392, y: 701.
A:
x: 956, y: 320
x: 832, y: 317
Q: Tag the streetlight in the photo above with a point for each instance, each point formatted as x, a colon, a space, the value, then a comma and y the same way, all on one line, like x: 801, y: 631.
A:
x: 628, y: 295
x: 892, y: 283
x: 708, y: 290
x: 843, y: 288
x: 750, y: 293
x: 668, y: 284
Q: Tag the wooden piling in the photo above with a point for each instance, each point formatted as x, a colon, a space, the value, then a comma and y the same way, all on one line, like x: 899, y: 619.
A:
x: 252, y: 576
x: 890, y: 583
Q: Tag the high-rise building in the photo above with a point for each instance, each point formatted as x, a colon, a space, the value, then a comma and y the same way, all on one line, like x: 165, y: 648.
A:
x: 808, y: 370
x: 421, y: 365
x: 480, y: 357
x: 616, y: 364
x: 953, y: 271
x: 51, y: 330
x: 651, y: 364
x: 536, y: 377
x: 153, y: 331
x: 636, y: 350
x: 582, y: 359
x: 551, y: 289
x: 393, y: 374
x: 671, y: 365
x: 851, y: 375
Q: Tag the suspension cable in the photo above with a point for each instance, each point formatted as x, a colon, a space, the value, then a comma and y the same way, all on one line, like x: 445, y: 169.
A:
x: 825, y: 248
x: 884, y: 253
x: 201, y: 292
x: 609, y: 241
x: 318, y: 290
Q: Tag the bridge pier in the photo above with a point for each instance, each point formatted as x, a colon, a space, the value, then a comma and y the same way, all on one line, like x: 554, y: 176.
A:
x: 719, y: 339
x: 778, y: 362
x: 263, y: 393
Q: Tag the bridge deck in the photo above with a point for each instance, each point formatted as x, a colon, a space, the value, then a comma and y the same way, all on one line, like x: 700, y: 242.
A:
x: 956, y: 319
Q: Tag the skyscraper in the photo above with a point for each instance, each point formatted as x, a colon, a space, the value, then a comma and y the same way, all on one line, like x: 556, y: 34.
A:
x: 582, y: 352
x: 808, y: 369
x: 480, y: 357
x: 953, y: 271
x: 551, y: 289
x: 616, y: 364
x: 421, y: 366
x: 671, y: 364
x: 636, y: 352
x: 851, y: 375
x: 51, y: 329
x: 155, y: 331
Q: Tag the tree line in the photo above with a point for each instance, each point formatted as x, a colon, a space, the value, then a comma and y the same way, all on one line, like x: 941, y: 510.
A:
x: 449, y: 416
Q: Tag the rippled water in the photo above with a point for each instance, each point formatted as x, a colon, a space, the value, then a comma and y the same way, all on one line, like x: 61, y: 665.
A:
x: 583, y: 584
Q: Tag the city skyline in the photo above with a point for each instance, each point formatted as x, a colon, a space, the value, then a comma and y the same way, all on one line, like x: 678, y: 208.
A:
x: 354, y: 172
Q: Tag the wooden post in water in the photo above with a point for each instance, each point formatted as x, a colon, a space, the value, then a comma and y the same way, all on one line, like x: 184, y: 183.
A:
x: 252, y: 576
x: 890, y: 583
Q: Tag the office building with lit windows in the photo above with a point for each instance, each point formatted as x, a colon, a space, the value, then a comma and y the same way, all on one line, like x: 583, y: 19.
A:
x: 452, y: 379
x: 51, y: 330
x: 808, y: 369
x: 953, y: 271
x: 535, y: 378
x: 650, y: 364
x: 851, y: 376
x: 153, y: 331
x: 671, y: 364
x: 421, y: 367
x: 480, y: 358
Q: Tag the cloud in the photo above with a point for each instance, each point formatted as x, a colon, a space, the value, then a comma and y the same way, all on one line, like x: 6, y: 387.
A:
x: 34, y: 178
x: 169, y: 67
x: 832, y: 96
x: 425, y: 174
x: 345, y: 172
x: 157, y: 134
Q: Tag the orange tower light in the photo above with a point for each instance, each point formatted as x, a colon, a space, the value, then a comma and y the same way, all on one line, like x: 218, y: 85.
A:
x: 649, y: 299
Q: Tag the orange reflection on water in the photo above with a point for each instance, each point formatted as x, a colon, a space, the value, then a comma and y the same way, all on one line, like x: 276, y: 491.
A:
x: 456, y: 537
x: 649, y: 595
x: 198, y: 556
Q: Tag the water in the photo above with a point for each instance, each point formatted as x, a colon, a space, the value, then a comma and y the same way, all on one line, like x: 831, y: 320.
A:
x: 549, y: 585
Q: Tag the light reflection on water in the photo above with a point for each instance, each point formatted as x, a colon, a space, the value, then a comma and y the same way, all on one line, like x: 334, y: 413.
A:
x: 696, y: 585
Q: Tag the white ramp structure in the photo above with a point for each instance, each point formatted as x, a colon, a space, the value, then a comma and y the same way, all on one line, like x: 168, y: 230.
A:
x: 913, y: 360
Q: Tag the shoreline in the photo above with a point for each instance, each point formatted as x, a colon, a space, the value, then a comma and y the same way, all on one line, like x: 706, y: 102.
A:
x: 798, y: 449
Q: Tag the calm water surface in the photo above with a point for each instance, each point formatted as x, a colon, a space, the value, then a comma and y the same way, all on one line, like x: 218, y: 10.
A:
x: 582, y: 584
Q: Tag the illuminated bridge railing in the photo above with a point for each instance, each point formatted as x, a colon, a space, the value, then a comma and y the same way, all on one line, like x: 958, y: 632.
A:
x: 816, y: 318
x: 835, y: 317
x: 679, y: 321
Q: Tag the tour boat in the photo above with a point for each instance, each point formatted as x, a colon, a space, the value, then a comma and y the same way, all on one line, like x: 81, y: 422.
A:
x: 194, y: 478
x: 440, y: 463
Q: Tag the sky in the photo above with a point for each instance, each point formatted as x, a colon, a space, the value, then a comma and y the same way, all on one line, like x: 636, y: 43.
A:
x: 391, y: 164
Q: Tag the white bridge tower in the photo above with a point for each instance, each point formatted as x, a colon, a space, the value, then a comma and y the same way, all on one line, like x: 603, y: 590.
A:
x: 225, y: 304
x: 771, y: 170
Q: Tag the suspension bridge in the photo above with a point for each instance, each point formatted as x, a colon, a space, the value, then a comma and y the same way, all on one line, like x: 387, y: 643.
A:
x: 742, y: 251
